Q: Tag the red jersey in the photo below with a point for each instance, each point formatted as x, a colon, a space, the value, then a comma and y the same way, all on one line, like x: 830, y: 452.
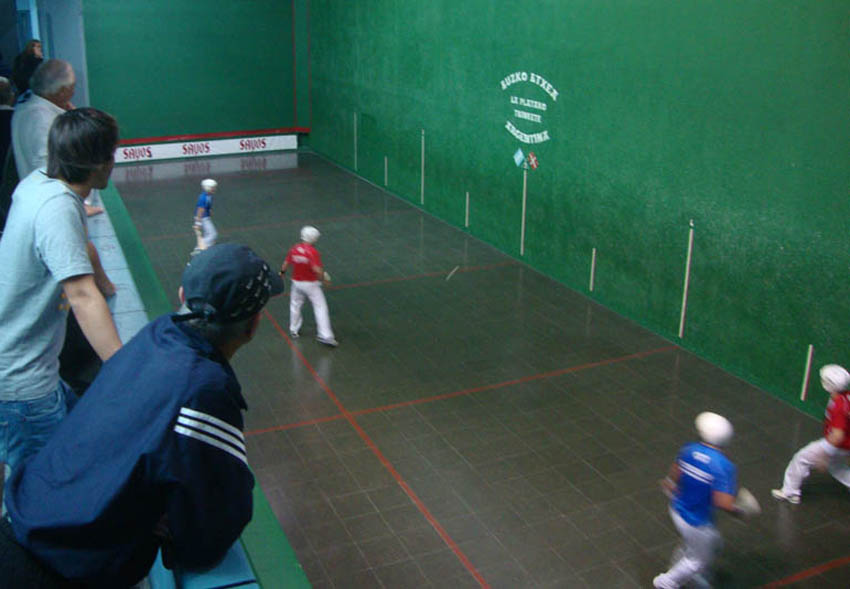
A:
x: 302, y: 257
x: 838, y: 416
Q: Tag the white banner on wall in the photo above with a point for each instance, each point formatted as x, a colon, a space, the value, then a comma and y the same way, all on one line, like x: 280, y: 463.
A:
x: 202, y: 148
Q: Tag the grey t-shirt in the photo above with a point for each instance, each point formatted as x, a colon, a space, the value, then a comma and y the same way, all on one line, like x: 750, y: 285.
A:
x: 44, y: 243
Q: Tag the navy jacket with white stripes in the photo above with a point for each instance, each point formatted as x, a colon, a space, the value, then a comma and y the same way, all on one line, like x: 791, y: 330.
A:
x: 157, y: 439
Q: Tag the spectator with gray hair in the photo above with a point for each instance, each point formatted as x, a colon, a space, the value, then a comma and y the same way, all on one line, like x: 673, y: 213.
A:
x: 51, y: 89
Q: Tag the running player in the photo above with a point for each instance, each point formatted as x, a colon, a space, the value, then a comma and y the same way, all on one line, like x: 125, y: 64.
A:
x: 830, y: 451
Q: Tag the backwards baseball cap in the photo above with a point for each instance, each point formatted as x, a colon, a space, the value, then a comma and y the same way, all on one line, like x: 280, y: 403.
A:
x: 227, y: 283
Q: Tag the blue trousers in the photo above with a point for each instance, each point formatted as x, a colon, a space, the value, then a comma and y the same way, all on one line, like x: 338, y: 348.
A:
x: 25, y: 426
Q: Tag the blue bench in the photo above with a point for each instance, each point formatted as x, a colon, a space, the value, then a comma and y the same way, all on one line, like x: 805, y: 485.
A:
x: 233, y: 571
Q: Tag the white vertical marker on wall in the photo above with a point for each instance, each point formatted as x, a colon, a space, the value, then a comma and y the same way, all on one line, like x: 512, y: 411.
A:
x: 422, y: 184
x: 355, y: 141
x: 466, y: 218
x: 805, y: 390
x: 522, y: 226
x: 386, y: 171
x: 592, y: 268
x: 687, y: 279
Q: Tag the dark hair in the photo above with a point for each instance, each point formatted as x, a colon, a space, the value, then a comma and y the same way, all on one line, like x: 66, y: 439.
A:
x: 29, y: 48
x: 79, y: 141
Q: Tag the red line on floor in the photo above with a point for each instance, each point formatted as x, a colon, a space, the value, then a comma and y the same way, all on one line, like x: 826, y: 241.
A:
x: 383, y: 459
x: 460, y: 393
x: 817, y: 570
x: 280, y: 428
x: 166, y: 236
x: 524, y: 379
x: 441, y: 273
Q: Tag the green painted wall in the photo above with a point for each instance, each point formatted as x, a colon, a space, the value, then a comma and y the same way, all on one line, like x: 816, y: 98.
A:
x: 174, y: 67
x: 728, y: 112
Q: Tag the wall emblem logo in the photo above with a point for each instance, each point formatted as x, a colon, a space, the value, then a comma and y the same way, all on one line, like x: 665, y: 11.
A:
x: 527, y: 117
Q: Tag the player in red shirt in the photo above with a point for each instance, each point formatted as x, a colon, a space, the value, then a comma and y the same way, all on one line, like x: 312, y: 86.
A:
x: 308, y: 275
x: 830, y: 451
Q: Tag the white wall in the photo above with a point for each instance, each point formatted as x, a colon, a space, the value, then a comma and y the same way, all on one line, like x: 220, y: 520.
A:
x: 62, y: 34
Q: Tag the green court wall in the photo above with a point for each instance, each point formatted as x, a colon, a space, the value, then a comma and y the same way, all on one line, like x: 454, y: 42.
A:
x: 189, y: 67
x: 730, y: 114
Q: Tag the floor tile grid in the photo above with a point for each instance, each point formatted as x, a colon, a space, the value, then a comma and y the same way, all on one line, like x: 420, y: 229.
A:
x: 407, y: 429
x: 659, y: 417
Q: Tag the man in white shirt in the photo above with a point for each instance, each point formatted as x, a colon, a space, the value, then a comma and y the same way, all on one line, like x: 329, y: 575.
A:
x: 51, y: 89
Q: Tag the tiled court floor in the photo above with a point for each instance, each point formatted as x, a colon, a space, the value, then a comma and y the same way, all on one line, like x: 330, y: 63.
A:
x: 494, y: 428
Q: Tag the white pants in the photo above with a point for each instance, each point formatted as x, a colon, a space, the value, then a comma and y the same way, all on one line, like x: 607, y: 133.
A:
x: 811, y: 455
x: 313, y: 291
x: 208, y: 232
x: 694, y: 557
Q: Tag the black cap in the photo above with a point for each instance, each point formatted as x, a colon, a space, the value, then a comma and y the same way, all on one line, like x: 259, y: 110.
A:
x: 228, y: 283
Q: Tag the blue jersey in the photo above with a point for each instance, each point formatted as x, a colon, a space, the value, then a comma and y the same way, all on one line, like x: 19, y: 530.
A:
x: 205, y: 202
x: 156, y: 438
x: 704, y: 469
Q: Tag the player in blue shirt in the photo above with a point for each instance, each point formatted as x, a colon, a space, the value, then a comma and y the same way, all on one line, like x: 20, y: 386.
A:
x: 701, y: 479
x: 203, y: 214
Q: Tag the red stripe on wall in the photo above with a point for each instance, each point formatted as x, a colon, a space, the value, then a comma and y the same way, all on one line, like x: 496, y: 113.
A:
x: 223, y: 135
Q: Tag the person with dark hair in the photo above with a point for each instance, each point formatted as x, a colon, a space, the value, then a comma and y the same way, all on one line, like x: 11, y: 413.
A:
x: 25, y: 63
x: 47, y: 270
x: 153, y: 456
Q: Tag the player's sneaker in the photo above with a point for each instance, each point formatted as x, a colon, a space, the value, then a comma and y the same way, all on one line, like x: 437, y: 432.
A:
x: 293, y: 334
x: 778, y: 494
x: 662, y: 581
x: 328, y: 342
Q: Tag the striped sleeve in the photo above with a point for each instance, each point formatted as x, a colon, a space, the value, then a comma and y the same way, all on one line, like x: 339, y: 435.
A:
x: 211, y: 430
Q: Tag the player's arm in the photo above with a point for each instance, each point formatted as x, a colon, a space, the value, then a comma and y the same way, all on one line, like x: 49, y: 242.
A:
x: 836, y: 437
x: 284, y: 267
x: 317, y: 266
x: 106, y: 287
x: 671, y: 481
x: 92, y: 314
x: 724, y: 501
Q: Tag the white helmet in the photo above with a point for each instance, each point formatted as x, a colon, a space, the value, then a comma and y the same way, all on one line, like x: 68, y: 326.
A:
x: 310, y: 234
x: 834, y: 378
x: 714, y: 429
x: 209, y: 184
